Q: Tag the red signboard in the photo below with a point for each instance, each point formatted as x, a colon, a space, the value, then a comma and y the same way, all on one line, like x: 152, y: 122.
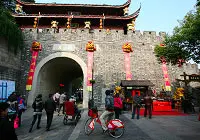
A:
x: 162, y: 106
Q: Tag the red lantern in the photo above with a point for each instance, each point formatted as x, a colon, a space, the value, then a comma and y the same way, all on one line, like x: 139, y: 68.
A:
x: 61, y: 85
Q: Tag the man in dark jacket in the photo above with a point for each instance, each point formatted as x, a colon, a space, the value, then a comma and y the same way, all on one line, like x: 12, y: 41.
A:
x: 136, y: 105
x: 50, y: 107
x: 109, y: 106
x: 148, y: 105
x: 38, y: 107
x: 7, y: 131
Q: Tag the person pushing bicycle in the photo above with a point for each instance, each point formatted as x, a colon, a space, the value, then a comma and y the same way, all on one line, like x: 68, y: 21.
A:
x: 109, y: 106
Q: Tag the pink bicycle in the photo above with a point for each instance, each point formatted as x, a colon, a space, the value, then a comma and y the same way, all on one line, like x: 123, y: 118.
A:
x: 115, y: 126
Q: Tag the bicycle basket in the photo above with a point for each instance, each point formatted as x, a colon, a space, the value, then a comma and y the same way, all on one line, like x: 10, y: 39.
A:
x: 93, y: 113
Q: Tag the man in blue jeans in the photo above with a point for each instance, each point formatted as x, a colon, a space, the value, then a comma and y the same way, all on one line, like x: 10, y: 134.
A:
x: 136, y: 105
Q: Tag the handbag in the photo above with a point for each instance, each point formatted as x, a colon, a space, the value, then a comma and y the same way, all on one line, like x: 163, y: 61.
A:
x: 16, y: 122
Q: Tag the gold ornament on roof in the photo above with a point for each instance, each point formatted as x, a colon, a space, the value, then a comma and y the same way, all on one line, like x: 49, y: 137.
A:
x: 131, y: 26
x: 126, y: 10
x: 54, y: 24
x: 87, y: 24
x: 101, y: 24
x: 68, y: 23
x: 18, y: 9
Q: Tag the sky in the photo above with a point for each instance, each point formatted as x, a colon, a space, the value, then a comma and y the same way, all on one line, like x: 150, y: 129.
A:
x: 155, y: 15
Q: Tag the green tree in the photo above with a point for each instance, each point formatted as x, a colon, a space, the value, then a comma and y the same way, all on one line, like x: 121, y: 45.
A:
x: 198, y: 3
x: 185, y: 41
x: 10, y: 30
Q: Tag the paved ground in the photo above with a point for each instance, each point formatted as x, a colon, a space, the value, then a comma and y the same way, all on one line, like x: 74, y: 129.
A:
x: 157, y: 128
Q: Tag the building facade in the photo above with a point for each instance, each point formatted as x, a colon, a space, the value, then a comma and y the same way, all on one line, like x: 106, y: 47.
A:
x: 65, y: 29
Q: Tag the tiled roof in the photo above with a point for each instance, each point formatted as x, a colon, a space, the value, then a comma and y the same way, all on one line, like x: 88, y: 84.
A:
x: 76, y: 5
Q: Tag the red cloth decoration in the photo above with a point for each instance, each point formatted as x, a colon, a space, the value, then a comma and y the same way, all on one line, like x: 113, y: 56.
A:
x: 69, y: 108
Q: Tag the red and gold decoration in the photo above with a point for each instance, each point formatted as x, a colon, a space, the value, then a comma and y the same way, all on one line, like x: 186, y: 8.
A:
x: 127, y: 49
x: 180, y: 62
x: 101, y: 24
x: 35, y: 22
x: 36, y: 47
x: 178, y: 94
x: 68, y: 23
x: 165, y: 73
x: 90, y: 48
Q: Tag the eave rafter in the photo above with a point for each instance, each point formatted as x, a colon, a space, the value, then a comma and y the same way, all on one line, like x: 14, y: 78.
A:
x: 131, y: 16
x: 74, y: 5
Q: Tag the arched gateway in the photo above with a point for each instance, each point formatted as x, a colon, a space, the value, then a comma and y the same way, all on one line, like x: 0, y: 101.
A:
x: 58, y: 67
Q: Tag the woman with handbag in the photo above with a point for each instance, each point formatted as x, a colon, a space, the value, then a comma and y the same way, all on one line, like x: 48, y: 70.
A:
x: 117, y: 105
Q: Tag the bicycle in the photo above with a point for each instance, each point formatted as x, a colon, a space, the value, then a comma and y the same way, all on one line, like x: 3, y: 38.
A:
x: 115, y: 126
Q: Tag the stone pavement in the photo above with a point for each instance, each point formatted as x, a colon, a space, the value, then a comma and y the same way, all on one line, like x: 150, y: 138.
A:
x: 157, y: 128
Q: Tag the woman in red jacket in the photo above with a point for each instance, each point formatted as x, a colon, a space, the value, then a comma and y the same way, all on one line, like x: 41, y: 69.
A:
x: 117, y: 105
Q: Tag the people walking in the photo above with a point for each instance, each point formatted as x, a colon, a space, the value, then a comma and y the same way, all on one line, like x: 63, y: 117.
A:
x: 50, y: 107
x: 117, y: 105
x: 136, y: 105
x: 109, y: 106
x: 56, y: 98
x: 21, y: 107
x: 148, y: 105
x: 37, y: 114
x: 7, y: 131
x: 61, y: 103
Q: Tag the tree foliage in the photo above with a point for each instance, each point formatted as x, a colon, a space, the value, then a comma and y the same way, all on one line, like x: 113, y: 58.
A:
x: 185, y: 41
x: 10, y: 30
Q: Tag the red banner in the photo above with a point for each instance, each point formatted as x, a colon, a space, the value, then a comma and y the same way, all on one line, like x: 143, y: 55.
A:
x: 127, y: 66
x: 36, y: 47
x: 89, y: 70
x: 32, y: 70
x: 166, y: 77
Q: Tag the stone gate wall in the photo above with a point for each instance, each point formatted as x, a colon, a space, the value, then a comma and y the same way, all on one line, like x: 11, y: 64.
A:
x: 109, y: 57
x: 10, y: 64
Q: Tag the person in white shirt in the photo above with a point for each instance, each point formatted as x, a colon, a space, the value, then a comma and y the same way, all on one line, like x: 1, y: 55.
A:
x: 56, y: 98
x: 61, y: 103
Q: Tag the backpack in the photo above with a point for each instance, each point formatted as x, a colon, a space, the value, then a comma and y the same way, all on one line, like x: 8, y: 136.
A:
x: 109, y: 103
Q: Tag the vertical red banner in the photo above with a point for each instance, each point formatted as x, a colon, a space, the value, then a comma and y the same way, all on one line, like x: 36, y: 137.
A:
x: 36, y: 47
x: 127, y: 60
x: 90, y: 48
x: 89, y: 70
x: 166, y: 77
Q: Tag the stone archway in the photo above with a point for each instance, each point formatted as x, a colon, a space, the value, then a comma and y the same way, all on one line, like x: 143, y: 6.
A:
x: 48, y: 59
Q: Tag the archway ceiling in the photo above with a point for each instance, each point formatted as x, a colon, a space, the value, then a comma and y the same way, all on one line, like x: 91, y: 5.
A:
x: 65, y: 68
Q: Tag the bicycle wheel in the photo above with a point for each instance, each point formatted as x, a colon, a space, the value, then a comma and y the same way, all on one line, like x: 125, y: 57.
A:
x: 65, y: 120
x: 116, y: 133
x: 115, y: 128
x: 88, y: 129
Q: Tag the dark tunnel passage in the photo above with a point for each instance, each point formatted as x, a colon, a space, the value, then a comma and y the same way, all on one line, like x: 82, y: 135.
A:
x: 61, y: 70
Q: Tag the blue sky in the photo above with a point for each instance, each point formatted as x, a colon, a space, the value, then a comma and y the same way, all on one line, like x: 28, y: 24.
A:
x: 155, y: 15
